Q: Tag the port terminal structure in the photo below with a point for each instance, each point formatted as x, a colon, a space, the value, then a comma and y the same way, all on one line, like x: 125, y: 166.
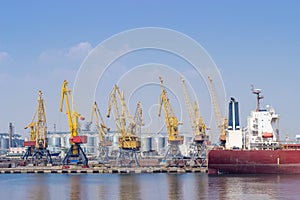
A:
x: 75, y: 154
x: 222, y: 122
x: 174, y: 139
x: 128, y: 142
x: 37, y: 145
x: 197, y: 148
x: 102, y: 129
x: 78, y: 145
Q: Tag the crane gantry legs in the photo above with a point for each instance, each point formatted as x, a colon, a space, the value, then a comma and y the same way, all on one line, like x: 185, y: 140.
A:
x: 103, y: 156
x: 173, y: 152
x: 75, y: 155
x: 37, y: 144
x: 128, y: 157
x: 197, y: 153
x: 38, y: 156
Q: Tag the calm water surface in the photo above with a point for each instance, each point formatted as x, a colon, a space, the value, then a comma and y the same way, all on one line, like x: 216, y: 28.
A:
x: 148, y: 186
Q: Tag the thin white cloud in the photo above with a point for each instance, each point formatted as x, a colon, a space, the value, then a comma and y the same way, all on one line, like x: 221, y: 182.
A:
x: 74, y: 53
x: 3, y: 55
x: 79, y: 51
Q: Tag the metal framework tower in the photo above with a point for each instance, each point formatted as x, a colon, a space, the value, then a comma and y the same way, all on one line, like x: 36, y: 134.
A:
x: 128, y: 142
x: 174, y: 139
x: 222, y: 122
x: 102, y: 129
x: 197, y: 148
x: 37, y: 146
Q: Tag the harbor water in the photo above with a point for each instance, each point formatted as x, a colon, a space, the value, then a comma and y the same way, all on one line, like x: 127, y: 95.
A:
x: 148, y: 186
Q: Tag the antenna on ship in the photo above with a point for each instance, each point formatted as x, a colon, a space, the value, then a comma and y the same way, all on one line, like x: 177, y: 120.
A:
x: 259, y: 96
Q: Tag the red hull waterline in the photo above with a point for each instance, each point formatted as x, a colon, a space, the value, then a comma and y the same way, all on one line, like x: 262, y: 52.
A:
x: 254, y: 161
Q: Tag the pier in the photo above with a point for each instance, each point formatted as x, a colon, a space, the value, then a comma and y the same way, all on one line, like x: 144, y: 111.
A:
x: 100, y: 170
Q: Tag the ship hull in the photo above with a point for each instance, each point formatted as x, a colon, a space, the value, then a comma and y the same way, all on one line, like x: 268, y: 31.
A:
x: 254, y: 161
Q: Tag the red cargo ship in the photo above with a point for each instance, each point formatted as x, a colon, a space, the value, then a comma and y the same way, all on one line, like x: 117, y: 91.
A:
x: 256, y: 153
x: 282, y: 161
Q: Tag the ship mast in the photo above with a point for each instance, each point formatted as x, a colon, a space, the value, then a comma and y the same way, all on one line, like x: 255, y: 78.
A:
x: 259, y: 96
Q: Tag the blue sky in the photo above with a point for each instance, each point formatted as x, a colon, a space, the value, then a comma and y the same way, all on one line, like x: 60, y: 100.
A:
x: 253, y: 42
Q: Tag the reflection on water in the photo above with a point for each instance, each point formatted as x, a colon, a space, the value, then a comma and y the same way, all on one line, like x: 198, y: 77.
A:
x: 75, y: 187
x: 129, y: 187
x: 147, y: 186
x: 39, y: 188
x: 175, y: 187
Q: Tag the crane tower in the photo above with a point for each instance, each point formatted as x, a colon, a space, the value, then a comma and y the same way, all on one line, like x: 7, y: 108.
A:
x: 197, y: 147
x: 102, y: 130
x: 37, y: 145
x: 174, y: 139
x: 128, y: 142
x: 222, y: 122
x: 75, y: 154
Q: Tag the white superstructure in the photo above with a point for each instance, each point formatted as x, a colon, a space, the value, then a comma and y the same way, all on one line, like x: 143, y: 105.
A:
x: 262, y: 127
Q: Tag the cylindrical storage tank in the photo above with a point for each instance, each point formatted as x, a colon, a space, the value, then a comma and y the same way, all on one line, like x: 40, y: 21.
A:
x: 21, y: 142
x: 16, y: 142
x: 146, y: 144
x: 91, y: 141
x: 65, y: 141
x: 166, y: 141
x: 188, y: 139
x: 50, y: 141
x: 4, y: 143
x: 115, y: 140
x: 54, y: 141
x: 159, y: 142
x: 13, y: 144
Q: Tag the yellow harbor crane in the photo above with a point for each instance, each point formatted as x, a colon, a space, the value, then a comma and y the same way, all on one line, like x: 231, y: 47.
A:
x: 196, y: 120
x: 138, y: 119
x: 75, y: 154
x: 222, y: 122
x: 197, y: 148
x: 128, y: 142
x: 37, y: 145
x: 174, y: 139
x: 102, y: 130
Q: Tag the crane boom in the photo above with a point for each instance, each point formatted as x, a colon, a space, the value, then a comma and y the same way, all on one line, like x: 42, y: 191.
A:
x: 170, y: 118
x: 138, y: 118
x: 41, y: 125
x: 65, y: 94
x: 195, y: 116
x: 75, y: 150
x: 188, y: 106
x: 73, y: 116
x: 32, y: 131
x: 222, y: 122
x: 38, y: 125
x: 128, y: 138
x: 38, y: 133
x: 101, y: 127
